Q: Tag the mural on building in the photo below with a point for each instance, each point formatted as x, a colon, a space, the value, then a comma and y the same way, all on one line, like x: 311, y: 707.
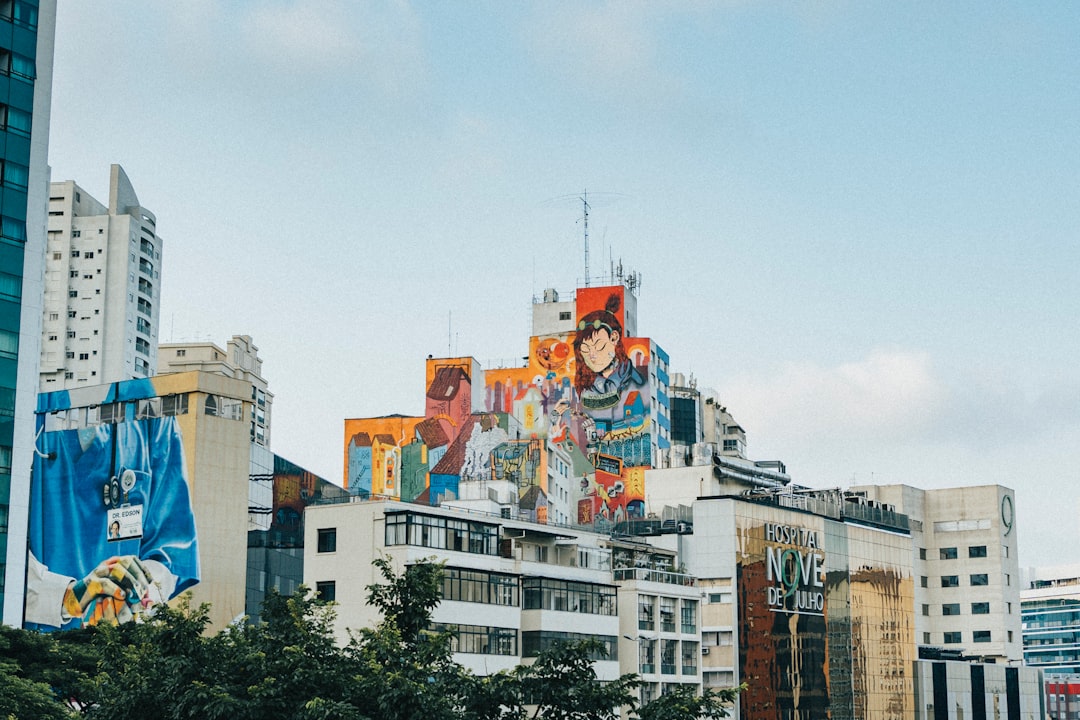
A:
x: 112, y: 532
x: 374, y: 454
x: 582, y: 397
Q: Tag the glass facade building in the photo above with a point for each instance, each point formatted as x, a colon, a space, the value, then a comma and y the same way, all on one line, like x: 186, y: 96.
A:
x: 26, y: 41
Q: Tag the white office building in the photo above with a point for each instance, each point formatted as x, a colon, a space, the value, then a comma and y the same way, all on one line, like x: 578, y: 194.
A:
x: 102, y: 287
x: 964, y: 546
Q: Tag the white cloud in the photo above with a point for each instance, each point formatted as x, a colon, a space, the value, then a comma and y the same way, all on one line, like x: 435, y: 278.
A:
x: 890, y: 393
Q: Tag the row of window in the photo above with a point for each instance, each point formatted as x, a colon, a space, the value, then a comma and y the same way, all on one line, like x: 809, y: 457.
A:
x: 670, y: 654
x: 564, y: 595
x: 534, y: 642
x: 76, y: 418
x: 442, y: 533
x: 480, y: 587
x: 15, y: 120
x: 480, y: 639
x: 952, y: 553
x: 647, y: 614
x: 955, y: 637
x: 979, y: 608
x: 20, y: 13
x: 16, y: 65
x: 974, y: 579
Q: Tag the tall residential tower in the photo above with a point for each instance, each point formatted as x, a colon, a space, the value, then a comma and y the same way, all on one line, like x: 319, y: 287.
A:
x: 102, y: 287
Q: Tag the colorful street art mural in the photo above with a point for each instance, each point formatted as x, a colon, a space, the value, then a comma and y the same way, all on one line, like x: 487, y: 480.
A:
x: 112, y: 529
x: 581, y: 401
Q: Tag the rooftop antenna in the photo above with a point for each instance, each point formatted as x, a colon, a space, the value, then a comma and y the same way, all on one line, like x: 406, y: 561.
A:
x: 585, y: 205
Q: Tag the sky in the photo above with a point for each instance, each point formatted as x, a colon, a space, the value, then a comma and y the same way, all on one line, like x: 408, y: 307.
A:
x: 856, y: 221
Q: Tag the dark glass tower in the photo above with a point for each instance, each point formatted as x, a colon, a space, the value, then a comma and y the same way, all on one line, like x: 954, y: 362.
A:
x: 27, y: 29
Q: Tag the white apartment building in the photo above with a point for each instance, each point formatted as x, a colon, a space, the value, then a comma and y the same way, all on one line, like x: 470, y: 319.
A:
x: 964, y: 546
x: 102, y: 287
x: 239, y: 360
x: 513, y: 588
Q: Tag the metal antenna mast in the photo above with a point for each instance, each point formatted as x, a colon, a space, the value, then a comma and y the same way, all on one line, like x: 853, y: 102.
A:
x: 585, y: 204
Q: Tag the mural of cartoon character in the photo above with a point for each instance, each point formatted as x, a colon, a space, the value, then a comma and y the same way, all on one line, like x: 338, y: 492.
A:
x: 604, y: 370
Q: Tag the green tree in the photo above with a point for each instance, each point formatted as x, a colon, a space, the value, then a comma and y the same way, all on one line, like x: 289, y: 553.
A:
x: 681, y: 703
x: 408, y: 671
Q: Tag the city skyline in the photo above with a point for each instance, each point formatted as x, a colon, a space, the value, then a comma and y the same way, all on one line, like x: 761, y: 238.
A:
x: 851, y: 221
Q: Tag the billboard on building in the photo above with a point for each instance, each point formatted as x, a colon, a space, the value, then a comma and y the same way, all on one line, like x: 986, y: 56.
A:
x: 825, y: 618
x: 112, y: 532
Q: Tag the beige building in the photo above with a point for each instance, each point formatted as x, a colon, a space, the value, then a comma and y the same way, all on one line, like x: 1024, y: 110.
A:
x: 172, y: 451
x: 240, y: 360
x: 964, y: 551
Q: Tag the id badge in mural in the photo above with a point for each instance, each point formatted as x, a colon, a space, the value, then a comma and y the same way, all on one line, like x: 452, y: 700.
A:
x: 124, y: 520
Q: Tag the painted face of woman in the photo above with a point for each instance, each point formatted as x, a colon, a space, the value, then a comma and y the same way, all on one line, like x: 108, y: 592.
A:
x: 598, y: 352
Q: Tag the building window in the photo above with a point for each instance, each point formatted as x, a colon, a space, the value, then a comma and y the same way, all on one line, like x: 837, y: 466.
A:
x: 479, y: 586
x: 428, y: 531
x: 667, y: 614
x: 926, y: 638
x: 689, y: 616
x: 174, y: 404
x: 980, y: 579
x: 948, y: 553
x: 951, y: 638
x: 950, y: 609
x: 925, y: 609
x: 480, y: 639
x: 326, y: 590
x: 327, y: 540
x: 980, y: 608
x: 181, y: 353
x: 533, y: 642
x: 73, y: 293
x: 646, y: 612
x: 950, y: 581
x: 924, y: 581
x: 977, y: 551
x: 922, y: 553
x: 564, y: 315
x: 981, y: 636
x: 84, y: 356
x: 567, y: 596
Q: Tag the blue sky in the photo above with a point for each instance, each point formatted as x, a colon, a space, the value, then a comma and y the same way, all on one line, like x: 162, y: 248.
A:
x: 857, y: 221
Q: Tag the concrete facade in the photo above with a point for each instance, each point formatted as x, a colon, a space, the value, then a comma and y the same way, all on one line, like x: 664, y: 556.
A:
x: 239, y: 360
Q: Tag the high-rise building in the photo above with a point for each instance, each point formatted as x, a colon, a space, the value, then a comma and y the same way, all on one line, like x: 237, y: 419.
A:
x: 27, y: 30
x: 1050, y: 609
x: 239, y: 360
x: 965, y: 556
x: 102, y: 287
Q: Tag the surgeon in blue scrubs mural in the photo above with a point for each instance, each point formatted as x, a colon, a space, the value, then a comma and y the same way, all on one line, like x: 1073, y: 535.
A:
x: 112, y: 532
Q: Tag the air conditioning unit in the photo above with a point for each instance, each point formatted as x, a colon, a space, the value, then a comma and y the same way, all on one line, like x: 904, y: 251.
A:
x: 704, y: 651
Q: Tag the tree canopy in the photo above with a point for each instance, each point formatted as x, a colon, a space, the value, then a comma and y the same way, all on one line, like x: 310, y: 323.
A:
x: 288, y: 665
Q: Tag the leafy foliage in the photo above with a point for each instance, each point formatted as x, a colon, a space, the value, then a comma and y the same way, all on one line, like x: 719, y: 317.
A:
x: 289, y: 666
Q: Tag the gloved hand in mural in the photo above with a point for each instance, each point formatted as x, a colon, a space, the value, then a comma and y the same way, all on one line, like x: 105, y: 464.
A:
x: 115, y: 591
